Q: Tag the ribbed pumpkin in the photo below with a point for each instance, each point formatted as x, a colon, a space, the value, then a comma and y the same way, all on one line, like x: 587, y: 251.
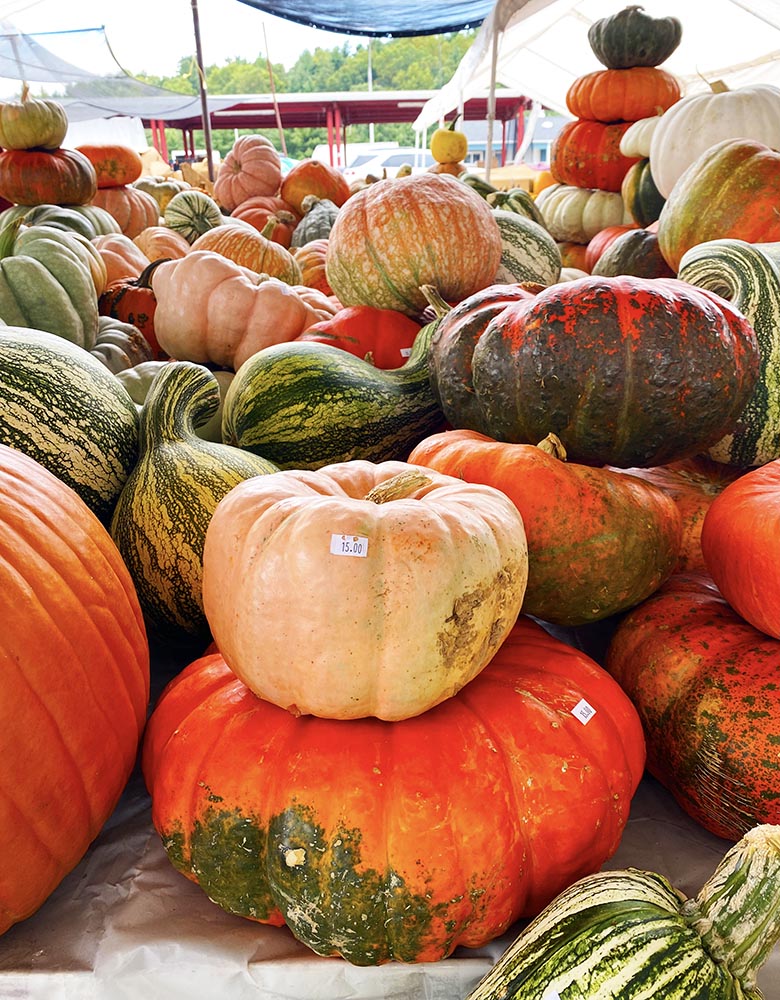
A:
x: 32, y: 123
x: 431, y: 833
x: 115, y: 164
x: 382, y: 336
x: 132, y: 300
x: 40, y: 176
x: 251, y: 249
x: 311, y: 259
x: 88, y: 221
x: 575, y: 214
x: 251, y: 167
x: 396, y: 235
x: 621, y: 369
x: 361, y: 519
x: 160, y: 241
x: 257, y: 210
x: 132, y: 208
x: 587, y: 154
x: 310, y: 176
x: 622, y: 95
x: 708, y: 201
x: 705, y: 684
x: 319, y: 215
x: 162, y: 189
x: 633, y: 38
x: 75, y: 664
x: 121, y: 255
x: 597, y: 543
x: 192, y: 213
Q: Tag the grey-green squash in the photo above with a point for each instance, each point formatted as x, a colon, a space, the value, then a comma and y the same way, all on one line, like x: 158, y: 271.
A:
x: 160, y: 519
x: 87, y: 220
x: 304, y: 405
x: 319, y: 214
x: 630, y: 934
x: 528, y: 251
x: 65, y: 409
x: 748, y: 276
x: 120, y: 346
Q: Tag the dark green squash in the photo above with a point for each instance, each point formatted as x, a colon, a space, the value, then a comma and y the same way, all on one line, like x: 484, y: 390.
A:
x: 641, y: 197
x: 319, y: 214
x: 633, y: 252
x: 633, y: 38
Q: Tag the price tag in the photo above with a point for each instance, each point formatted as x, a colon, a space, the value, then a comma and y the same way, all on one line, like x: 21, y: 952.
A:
x: 584, y: 712
x: 551, y: 994
x: 348, y: 545
x: 405, y: 352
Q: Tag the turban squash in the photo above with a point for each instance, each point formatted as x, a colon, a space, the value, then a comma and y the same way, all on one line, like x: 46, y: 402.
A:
x: 398, y: 840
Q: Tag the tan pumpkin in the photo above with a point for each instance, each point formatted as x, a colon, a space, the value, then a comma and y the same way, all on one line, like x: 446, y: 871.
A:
x: 251, y: 249
x: 122, y: 257
x: 311, y: 259
x: 212, y: 310
x: 432, y: 571
x: 132, y: 208
x: 252, y: 167
x: 160, y: 241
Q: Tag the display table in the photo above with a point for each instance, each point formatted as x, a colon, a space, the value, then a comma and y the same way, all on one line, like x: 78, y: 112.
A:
x: 125, y: 925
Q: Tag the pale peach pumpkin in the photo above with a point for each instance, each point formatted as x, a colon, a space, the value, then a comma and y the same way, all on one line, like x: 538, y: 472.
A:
x: 362, y: 589
x: 396, y: 235
x: 252, y: 167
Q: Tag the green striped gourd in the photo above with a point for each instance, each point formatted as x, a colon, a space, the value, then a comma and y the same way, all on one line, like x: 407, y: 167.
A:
x: 160, y: 519
x: 630, y: 934
x: 192, y: 213
x: 303, y: 405
x: 528, y: 251
x: 748, y: 278
x: 65, y: 409
x: 516, y: 200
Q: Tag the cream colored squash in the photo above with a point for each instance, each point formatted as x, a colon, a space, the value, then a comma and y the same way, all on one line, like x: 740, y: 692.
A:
x: 575, y: 214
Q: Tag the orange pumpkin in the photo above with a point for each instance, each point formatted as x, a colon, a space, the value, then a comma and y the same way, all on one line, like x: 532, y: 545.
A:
x: 252, y: 167
x: 251, y: 249
x: 132, y: 208
x: 75, y: 666
x: 257, y: 209
x: 160, y: 241
x: 114, y: 164
x: 130, y: 299
x: 313, y: 177
x: 311, y: 259
x: 46, y: 177
x: 121, y: 255
x: 396, y: 235
x: 622, y: 95
x: 586, y: 154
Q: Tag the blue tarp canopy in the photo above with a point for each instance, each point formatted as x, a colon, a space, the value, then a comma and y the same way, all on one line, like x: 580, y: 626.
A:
x: 380, y: 18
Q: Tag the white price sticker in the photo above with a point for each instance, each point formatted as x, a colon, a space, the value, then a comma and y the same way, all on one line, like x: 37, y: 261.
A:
x: 584, y: 712
x: 405, y: 352
x: 348, y: 545
x: 551, y: 994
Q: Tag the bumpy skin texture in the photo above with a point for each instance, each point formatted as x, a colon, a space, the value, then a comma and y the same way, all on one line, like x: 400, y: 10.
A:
x: 705, y: 684
x: 382, y: 841
x: 626, y: 371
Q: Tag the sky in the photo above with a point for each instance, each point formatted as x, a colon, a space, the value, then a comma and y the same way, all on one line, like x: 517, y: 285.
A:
x: 152, y: 36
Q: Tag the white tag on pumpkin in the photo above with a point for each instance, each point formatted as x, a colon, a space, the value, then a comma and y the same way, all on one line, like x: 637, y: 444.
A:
x: 584, y: 712
x: 348, y: 545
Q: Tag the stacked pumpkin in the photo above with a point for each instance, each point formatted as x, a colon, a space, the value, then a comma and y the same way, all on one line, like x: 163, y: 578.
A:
x: 586, y: 160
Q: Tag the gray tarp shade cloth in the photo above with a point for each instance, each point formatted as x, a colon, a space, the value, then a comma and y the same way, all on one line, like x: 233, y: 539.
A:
x: 378, y: 18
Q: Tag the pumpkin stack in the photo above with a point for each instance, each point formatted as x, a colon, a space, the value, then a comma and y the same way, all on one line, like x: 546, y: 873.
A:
x: 382, y: 755
x: 586, y: 161
x: 117, y: 167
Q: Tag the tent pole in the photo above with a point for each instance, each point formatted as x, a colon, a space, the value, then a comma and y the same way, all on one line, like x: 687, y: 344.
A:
x: 204, y: 102
x: 491, y: 106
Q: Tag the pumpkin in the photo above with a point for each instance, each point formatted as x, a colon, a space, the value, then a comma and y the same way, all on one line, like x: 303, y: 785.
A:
x: 470, y: 573
x: 160, y: 241
x: 382, y: 336
x: 634, y: 252
x: 40, y: 176
x: 251, y: 167
x: 115, y: 164
x: 251, y: 249
x: 310, y: 176
x: 70, y: 615
x: 640, y: 195
x: 390, y: 238
x: 88, y: 221
x: 382, y: 819
x: 621, y: 369
x: 162, y: 189
x: 622, y: 95
x: 693, y: 483
x: 575, y: 214
x: 131, y: 299
x: 319, y: 214
x: 311, y: 258
x: 637, y: 137
x: 258, y: 209
x: 449, y: 145
x: 573, y: 256
x: 700, y: 121
x: 603, y: 239
x: 32, y: 123
x: 739, y: 542
x: 192, y: 213
x: 587, y: 154
x: 633, y: 38
x: 132, y: 208
x: 121, y: 255
x: 597, y: 543
x: 630, y: 933
x: 120, y: 345
x: 708, y: 201
x: 211, y: 310
x: 704, y: 682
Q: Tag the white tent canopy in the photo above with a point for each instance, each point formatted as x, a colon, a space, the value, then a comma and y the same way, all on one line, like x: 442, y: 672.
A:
x: 539, y: 47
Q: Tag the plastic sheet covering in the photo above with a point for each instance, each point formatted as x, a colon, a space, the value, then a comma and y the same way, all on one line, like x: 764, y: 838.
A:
x: 126, y: 925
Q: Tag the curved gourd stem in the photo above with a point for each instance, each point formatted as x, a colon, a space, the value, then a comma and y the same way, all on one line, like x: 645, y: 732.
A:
x: 399, y: 487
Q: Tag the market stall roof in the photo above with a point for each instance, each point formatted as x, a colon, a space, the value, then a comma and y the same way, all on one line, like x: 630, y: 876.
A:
x: 540, y: 47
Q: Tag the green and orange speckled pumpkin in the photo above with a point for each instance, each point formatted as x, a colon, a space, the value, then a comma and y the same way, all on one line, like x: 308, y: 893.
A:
x: 402, y: 840
x: 587, y: 154
x: 705, y: 683
x: 396, y: 235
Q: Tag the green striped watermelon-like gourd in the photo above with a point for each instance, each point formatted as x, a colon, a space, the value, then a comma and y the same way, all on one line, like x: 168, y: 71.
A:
x: 192, y: 213
x: 303, y: 405
x: 62, y: 407
x: 528, y: 251
x: 749, y: 278
x: 160, y: 519
x: 631, y: 934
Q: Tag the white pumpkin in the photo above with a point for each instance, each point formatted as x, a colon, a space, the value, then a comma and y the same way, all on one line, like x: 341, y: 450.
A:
x: 635, y: 141
x: 574, y: 214
x: 699, y: 121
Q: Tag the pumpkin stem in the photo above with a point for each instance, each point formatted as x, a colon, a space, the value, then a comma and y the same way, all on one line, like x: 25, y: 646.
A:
x: 552, y: 445
x: 398, y: 487
x: 144, y: 279
x: 270, y: 224
x: 719, y: 87
x: 25, y: 90
x: 437, y: 303
x: 8, y: 235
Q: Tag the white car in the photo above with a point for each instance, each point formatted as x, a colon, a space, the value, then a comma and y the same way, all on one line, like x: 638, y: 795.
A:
x: 387, y: 162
